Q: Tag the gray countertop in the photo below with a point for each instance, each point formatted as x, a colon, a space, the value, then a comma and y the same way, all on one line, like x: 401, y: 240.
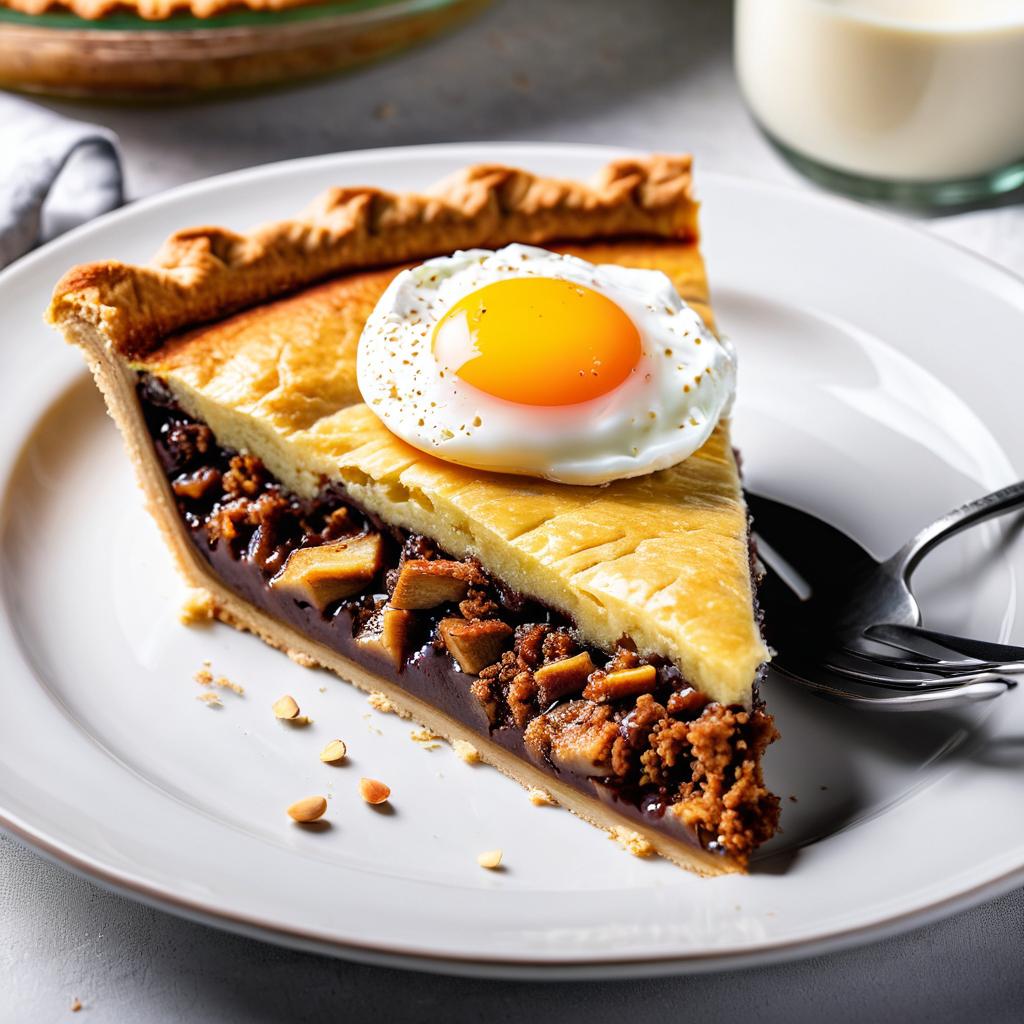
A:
x: 652, y: 74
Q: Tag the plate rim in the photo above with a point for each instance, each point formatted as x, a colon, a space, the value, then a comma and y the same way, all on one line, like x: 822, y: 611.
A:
x: 161, y: 896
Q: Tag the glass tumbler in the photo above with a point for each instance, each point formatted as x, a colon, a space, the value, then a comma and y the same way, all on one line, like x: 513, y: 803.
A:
x: 920, y: 102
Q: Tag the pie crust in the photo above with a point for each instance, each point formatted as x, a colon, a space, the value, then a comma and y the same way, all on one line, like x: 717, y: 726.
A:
x: 152, y: 10
x: 663, y: 559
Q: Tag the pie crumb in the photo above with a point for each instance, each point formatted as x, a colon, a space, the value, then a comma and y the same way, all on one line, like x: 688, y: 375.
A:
x: 210, y: 699
x: 490, y: 859
x: 384, y: 704
x: 227, y: 684
x: 198, y: 607
x: 76, y: 1004
x: 541, y: 798
x: 203, y: 676
x: 466, y: 751
x: 426, y: 738
x: 632, y: 842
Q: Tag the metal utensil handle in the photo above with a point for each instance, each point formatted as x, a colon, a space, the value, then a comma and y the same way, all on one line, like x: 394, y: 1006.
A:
x: 1006, y: 499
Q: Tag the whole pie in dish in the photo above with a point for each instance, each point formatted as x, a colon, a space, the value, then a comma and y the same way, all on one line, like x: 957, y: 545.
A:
x: 169, y: 49
x: 160, y: 10
x: 598, y: 640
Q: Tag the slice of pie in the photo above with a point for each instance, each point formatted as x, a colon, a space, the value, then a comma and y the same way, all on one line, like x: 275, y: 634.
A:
x: 599, y: 643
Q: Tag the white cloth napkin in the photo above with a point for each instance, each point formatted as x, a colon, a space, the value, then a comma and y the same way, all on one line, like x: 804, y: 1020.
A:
x: 55, y: 173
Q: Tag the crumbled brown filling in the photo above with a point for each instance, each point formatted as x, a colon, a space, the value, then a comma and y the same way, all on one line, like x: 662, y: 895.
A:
x: 727, y: 797
x: 628, y: 721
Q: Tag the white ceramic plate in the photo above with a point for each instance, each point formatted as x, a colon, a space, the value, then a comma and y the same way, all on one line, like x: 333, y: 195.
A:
x: 880, y: 385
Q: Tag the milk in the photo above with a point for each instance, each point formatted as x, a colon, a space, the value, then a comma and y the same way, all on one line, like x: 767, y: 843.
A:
x: 905, y: 90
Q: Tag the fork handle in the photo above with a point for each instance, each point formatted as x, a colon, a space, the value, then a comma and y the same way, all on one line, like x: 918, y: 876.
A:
x: 1006, y: 499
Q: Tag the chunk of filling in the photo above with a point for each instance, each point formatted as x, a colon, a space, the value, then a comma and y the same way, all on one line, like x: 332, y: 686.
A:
x: 624, y: 726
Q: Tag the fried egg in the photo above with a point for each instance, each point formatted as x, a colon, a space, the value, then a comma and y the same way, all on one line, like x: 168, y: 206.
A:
x: 527, y: 361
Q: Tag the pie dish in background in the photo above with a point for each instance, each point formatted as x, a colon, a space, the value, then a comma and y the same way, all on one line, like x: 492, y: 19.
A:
x: 476, y: 595
x: 144, y: 50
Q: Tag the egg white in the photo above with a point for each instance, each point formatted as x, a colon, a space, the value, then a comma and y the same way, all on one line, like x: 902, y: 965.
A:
x: 648, y: 422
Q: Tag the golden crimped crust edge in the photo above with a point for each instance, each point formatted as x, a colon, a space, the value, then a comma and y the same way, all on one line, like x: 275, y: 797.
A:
x: 151, y: 10
x: 204, y: 273
x: 117, y: 384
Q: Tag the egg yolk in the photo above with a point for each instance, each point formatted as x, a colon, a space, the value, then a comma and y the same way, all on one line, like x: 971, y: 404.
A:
x: 538, y: 341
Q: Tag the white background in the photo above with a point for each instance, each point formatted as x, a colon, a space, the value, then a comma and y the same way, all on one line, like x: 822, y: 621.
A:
x: 653, y: 74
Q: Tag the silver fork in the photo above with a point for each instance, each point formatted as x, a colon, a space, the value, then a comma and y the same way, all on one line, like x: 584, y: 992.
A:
x: 858, y: 629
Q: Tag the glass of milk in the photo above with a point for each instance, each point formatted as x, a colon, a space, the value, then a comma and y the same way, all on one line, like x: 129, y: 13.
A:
x: 916, y: 101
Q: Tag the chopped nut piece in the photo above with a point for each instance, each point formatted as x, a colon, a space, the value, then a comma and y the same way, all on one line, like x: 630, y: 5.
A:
x: 557, y: 645
x: 210, y: 699
x: 466, y: 751
x: 577, y: 736
x: 489, y: 859
x: 474, y: 644
x: 337, y: 523
x: 203, y: 676
x: 76, y: 1005
x: 529, y: 646
x: 246, y: 475
x: 373, y: 791
x: 198, y: 484
x: 541, y: 798
x: 627, y: 682
x: 478, y: 605
x: 309, y: 809
x: 686, y: 703
x: 334, y: 752
x: 424, y: 583
x: 388, y: 632
x: 197, y: 608
x: 632, y: 842
x: 563, y: 678
x: 286, y: 708
x: 330, y: 572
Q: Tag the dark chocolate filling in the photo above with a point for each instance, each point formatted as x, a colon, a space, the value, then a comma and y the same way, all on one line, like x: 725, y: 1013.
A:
x: 644, y: 753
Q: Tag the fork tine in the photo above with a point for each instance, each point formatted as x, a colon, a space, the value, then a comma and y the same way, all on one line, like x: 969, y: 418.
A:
x: 930, y: 700
x: 916, y: 682
x: 923, y: 700
x: 906, y: 637
x: 927, y: 663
